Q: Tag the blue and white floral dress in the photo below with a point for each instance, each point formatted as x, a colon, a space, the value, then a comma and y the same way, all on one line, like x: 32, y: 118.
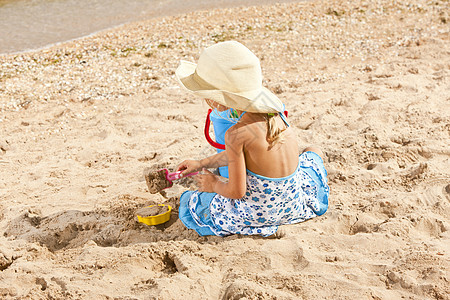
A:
x: 268, y: 202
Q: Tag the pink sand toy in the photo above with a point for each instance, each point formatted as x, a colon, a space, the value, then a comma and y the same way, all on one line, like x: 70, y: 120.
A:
x: 170, y: 177
x: 162, y: 179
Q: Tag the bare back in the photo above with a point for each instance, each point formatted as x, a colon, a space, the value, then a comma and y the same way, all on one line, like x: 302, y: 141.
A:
x: 278, y: 161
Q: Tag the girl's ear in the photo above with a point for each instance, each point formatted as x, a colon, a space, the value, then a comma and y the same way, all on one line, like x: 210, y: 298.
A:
x: 214, y: 105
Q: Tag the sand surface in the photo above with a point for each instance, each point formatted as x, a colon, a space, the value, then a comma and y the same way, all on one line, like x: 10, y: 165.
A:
x: 368, y: 81
x: 150, y: 211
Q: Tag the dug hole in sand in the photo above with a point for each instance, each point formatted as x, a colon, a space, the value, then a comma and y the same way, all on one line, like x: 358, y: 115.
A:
x: 366, y: 81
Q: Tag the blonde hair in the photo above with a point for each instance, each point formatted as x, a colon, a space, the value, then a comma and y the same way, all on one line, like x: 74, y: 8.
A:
x: 274, y: 132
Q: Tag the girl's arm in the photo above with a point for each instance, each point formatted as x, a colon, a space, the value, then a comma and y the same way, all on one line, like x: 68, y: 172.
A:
x: 236, y: 186
x: 213, y: 161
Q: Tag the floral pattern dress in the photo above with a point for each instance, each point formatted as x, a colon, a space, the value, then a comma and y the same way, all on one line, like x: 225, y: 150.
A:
x: 267, y: 204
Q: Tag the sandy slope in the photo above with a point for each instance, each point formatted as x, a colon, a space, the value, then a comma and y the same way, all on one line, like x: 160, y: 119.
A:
x: 368, y: 81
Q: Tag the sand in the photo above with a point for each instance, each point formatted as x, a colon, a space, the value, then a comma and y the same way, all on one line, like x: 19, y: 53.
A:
x: 151, y: 211
x: 368, y: 81
x: 156, y: 180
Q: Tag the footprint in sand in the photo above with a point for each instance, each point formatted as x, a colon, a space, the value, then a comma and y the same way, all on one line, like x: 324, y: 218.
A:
x: 417, y: 171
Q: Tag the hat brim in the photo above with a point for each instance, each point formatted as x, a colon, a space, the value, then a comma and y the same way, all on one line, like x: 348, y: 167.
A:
x: 258, y: 101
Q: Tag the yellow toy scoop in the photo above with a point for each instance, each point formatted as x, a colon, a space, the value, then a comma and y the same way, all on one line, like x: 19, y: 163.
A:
x: 154, y: 214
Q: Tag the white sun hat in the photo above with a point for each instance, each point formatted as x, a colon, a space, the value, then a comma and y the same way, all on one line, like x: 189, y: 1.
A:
x: 229, y: 74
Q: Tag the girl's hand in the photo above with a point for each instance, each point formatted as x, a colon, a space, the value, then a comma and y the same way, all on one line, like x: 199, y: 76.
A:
x: 189, y: 166
x: 206, y: 181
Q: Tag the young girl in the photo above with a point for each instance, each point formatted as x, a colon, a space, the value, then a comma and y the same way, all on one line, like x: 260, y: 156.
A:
x: 269, y: 183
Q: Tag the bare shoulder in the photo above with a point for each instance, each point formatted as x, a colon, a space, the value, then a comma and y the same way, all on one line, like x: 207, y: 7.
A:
x: 240, y: 133
x: 235, y: 135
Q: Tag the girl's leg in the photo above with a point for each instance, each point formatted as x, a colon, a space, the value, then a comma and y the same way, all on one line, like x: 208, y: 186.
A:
x: 315, y: 150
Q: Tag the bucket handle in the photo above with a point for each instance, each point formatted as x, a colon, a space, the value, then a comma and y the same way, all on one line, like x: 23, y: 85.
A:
x: 207, y: 136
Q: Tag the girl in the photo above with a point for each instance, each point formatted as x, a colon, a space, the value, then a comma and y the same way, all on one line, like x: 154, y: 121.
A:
x: 269, y: 183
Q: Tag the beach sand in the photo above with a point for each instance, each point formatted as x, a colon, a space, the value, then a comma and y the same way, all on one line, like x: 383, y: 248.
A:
x: 368, y: 81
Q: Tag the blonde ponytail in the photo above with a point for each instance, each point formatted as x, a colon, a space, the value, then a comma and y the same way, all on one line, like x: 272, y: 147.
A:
x: 274, y: 132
